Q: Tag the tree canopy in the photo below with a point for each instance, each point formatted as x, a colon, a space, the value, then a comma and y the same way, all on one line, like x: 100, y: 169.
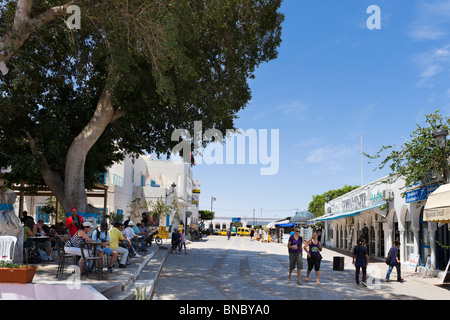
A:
x: 418, y: 159
x: 316, y: 206
x: 76, y: 101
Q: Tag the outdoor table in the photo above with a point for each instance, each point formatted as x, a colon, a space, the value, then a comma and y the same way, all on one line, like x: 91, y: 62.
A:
x: 38, y: 239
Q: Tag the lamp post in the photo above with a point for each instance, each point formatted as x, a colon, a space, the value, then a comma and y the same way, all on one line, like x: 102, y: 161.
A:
x: 440, y: 136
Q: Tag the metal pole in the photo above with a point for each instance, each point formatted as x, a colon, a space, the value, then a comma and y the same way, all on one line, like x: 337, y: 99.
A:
x: 362, y: 179
x: 253, y: 218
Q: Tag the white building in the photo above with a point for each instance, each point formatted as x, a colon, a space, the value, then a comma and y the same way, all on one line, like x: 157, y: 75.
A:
x: 132, y: 186
x: 380, y: 213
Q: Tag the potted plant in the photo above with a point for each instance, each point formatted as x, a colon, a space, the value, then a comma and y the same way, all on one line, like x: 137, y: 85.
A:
x: 16, y: 273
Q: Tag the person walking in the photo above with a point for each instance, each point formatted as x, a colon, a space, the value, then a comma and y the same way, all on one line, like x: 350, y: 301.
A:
x: 314, y: 257
x: 295, y: 254
x: 175, y: 241
x: 394, y: 254
x: 252, y: 234
x: 361, y: 261
x: 182, y: 242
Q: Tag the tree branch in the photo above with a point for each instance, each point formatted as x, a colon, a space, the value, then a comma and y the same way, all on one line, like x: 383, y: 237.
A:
x: 24, y: 26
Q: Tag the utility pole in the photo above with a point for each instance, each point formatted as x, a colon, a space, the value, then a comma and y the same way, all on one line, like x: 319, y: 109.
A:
x: 253, y: 218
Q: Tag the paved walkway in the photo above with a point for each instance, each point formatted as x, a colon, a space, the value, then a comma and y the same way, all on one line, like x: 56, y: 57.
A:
x: 240, y: 269
x: 119, y: 285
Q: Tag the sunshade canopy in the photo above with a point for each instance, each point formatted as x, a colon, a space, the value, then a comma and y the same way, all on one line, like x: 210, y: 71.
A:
x: 437, y: 208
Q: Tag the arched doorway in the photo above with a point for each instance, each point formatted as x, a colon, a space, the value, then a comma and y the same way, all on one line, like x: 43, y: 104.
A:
x: 409, y: 235
x: 395, y: 230
x: 424, y: 240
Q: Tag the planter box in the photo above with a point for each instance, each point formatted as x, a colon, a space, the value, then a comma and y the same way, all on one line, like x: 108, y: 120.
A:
x: 17, y: 275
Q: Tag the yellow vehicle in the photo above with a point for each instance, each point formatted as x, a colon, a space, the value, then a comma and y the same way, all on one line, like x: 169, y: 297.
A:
x: 224, y: 232
x: 243, y: 231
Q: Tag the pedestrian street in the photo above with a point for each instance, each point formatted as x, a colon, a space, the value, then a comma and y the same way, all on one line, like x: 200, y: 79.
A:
x: 239, y: 269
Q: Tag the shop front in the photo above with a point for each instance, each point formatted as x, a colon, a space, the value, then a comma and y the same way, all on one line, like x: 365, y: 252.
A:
x: 437, y: 213
x: 355, y: 215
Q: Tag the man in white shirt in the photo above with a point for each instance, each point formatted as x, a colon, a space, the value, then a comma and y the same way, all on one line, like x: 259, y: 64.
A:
x: 130, y: 235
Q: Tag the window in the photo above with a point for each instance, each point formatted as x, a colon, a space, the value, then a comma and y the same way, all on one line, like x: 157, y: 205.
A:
x: 142, y: 180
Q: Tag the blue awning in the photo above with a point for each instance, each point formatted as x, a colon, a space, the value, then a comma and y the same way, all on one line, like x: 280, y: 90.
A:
x: 285, y: 225
x: 349, y: 213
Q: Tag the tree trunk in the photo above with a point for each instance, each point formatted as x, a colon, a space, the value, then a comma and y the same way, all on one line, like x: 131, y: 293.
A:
x: 74, y: 187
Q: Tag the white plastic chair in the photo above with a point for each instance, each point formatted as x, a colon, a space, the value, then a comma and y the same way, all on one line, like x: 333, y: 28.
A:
x: 7, y: 246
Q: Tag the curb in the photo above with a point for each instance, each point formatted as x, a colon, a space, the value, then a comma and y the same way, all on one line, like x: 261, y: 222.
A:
x: 153, y: 265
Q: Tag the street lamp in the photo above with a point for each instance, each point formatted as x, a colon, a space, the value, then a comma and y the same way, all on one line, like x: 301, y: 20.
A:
x: 440, y: 136
x: 172, y: 187
x: 327, y: 197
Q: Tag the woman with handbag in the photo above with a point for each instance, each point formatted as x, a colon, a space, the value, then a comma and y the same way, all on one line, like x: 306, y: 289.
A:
x: 314, y: 257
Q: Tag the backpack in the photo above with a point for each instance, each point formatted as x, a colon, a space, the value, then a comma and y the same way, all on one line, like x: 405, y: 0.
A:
x: 388, y: 258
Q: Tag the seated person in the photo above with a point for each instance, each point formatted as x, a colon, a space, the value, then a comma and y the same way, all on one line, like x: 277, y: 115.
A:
x: 143, y: 233
x: 73, y: 246
x: 102, y: 235
x: 44, y: 230
x: 134, y: 240
x: 29, y: 230
x: 116, y: 236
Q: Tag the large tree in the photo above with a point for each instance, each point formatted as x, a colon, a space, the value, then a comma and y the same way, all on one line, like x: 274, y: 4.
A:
x: 76, y: 101
x: 316, y: 206
x: 418, y: 159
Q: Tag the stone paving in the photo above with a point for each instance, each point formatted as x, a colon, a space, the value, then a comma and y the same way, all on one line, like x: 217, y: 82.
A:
x: 239, y: 269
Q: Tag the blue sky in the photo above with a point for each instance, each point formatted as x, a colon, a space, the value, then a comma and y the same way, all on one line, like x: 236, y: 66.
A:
x: 333, y: 81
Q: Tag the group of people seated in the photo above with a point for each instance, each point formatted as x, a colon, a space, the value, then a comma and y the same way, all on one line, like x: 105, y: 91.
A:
x: 125, y: 239
x: 39, y: 250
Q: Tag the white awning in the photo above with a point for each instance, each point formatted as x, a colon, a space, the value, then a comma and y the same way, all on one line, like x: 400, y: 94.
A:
x: 437, y: 208
x: 349, y: 213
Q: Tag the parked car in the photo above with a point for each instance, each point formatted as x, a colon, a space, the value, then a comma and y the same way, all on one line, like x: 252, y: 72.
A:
x: 243, y: 231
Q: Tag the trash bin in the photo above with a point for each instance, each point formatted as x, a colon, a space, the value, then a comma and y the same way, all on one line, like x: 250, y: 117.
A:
x: 338, y: 263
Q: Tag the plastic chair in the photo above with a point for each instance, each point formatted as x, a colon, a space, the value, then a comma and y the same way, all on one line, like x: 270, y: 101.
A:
x: 7, y: 247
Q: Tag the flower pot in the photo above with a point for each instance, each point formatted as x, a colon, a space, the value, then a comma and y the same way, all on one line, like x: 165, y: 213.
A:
x: 17, y: 275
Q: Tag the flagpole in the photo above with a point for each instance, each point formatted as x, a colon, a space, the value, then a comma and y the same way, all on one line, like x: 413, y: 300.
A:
x: 362, y: 173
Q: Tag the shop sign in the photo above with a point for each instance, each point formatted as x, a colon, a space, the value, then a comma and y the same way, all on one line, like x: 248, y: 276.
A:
x: 195, y: 190
x: 420, y: 194
x: 359, y: 202
x: 355, y: 202
x: 413, y: 262
x: 376, y: 199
